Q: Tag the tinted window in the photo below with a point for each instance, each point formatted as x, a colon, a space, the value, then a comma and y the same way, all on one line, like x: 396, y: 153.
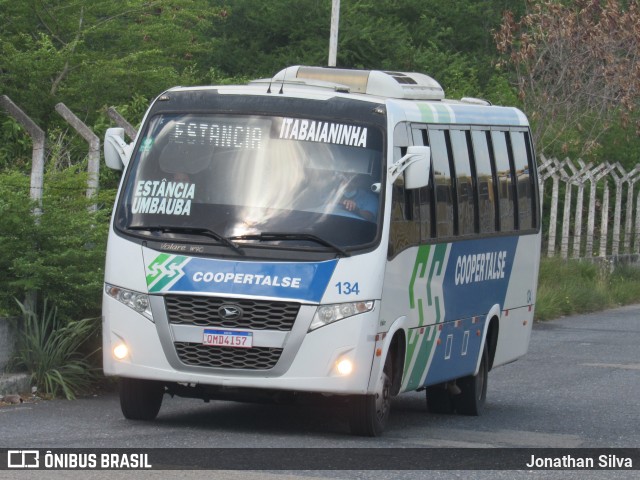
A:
x: 426, y: 223
x: 442, y: 183
x: 486, y: 187
x: 423, y: 195
x: 405, y: 209
x: 464, y: 179
x: 405, y: 220
x: 482, y: 181
x: 505, y: 181
x: 525, y: 189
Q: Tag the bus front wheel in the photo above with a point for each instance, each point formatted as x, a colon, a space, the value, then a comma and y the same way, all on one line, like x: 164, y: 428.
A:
x: 369, y: 414
x: 140, y: 399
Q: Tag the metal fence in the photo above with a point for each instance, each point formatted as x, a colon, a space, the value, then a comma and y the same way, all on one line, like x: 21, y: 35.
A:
x: 593, y: 227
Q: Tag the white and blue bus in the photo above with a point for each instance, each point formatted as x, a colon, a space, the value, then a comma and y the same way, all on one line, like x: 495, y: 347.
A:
x: 343, y: 232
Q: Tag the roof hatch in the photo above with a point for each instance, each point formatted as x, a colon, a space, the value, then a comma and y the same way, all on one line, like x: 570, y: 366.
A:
x: 411, y: 86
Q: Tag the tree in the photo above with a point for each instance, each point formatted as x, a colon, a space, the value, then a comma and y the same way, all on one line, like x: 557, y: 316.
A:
x: 88, y: 53
x: 91, y: 53
x: 432, y: 36
x: 577, y: 68
x: 61, y: 255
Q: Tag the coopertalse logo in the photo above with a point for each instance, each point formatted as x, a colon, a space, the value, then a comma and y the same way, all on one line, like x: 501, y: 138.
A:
x: 165, y: 270
x: 168, y: 272
x: 23, y: 459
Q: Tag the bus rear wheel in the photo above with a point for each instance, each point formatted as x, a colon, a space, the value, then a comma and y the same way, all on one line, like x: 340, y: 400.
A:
x: 473, y: 388
x: 439, y: 399
x: 369, y: 414
x: 140, y: 399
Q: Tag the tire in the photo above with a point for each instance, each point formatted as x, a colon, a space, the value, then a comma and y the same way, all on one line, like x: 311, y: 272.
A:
x: 439, y: 399
x: 369, y: 414
x: 473, y: 388
x: 140, y: 399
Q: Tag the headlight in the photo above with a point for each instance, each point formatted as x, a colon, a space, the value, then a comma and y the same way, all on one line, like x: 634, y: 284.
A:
x: 135, y: 300
x: 327, y: 314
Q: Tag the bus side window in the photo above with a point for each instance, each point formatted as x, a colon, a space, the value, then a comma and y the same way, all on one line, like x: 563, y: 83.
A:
x: 525, y: 188
x: 405, y: 231
x: 442, y: 184
x: 423, y: 196
x: 465, y: 186
x: 486, y: 187
x: 533, y: 176
x: 506, y: 197
x: 405, y: 212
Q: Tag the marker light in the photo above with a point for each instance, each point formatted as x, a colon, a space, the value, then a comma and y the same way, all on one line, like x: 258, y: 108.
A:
x: 331, y: 313
x: 135, y: 300
x: 120, y: 351
x: 344, y: 367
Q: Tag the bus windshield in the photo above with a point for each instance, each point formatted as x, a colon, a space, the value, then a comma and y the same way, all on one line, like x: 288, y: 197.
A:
x: 245, y: 177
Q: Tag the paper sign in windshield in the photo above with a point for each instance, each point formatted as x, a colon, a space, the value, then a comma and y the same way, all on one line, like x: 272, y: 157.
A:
x: 163, y: 197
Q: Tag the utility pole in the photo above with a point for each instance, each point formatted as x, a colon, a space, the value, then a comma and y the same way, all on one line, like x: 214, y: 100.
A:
x: 333, y: 37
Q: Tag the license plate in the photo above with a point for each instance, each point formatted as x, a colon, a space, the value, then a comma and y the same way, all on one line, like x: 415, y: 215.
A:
x: 227, y: 338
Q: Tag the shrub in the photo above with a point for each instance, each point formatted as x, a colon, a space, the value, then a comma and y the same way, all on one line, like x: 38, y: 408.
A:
x: 625, y: 285
x: 61, y: 255
x: 55, y: 353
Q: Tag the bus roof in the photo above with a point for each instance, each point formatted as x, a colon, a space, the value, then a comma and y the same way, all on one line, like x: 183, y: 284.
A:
x: 406, y: 85
x: 415, y: 96
x: 457, y: 112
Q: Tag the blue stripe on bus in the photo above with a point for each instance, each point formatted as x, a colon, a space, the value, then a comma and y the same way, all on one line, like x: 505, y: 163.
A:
x: 302, y: 281
x: 477, y: 276
x: 476, y: 279
x: 457, y: 350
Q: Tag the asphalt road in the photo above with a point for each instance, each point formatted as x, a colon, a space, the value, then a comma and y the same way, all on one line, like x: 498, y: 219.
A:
x: 579, y: 386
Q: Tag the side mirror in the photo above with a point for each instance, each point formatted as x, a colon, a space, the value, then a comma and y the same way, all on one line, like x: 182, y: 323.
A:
x: 417, y: 173
x: 116, y: 150
x: 416, y: 165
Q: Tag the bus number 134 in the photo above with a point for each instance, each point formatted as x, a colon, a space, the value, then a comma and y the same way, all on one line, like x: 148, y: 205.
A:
x: 347, y: 288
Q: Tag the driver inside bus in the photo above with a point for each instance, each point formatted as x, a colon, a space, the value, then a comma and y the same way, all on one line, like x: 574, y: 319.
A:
x: 357, y: 199
x: 186, y: 163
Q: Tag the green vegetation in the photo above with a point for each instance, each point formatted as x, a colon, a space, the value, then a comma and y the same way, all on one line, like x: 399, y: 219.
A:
x: 53, y: 351
x: 568, y: 287
x: 59, y: 253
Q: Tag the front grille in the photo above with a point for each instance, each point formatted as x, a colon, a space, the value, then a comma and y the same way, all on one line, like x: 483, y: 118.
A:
x: 256, y: 358
x: 256, y: 314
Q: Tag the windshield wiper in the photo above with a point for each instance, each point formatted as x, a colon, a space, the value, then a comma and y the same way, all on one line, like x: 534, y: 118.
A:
x: 269, y: 236
x: 205, y: 232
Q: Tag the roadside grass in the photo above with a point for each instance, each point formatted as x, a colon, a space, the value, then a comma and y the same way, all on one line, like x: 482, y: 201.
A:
x: 567, y: 287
